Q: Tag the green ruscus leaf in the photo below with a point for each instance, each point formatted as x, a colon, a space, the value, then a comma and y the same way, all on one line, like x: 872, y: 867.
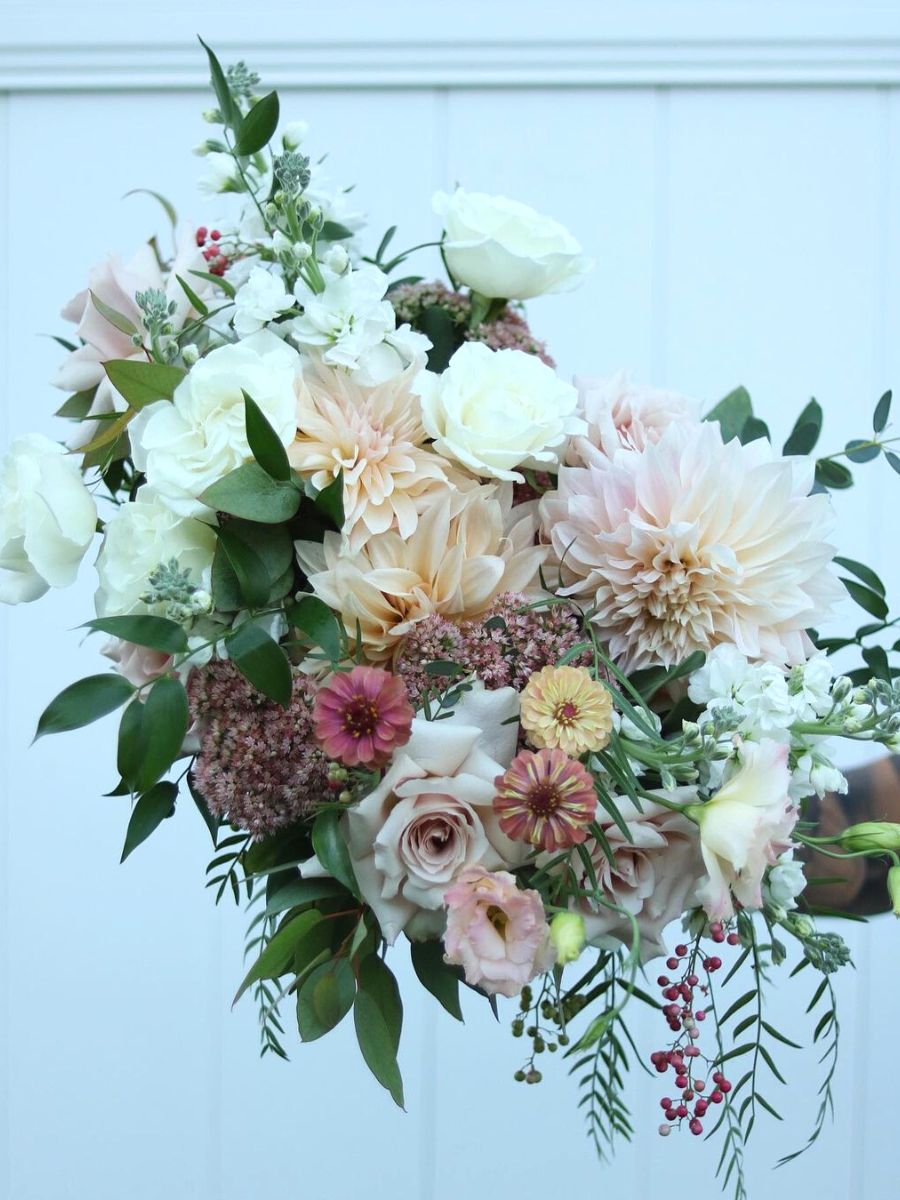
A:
x: 378, y: 1017
x: 261, y: 660
x: 84, y: 702
x: 150, y: 811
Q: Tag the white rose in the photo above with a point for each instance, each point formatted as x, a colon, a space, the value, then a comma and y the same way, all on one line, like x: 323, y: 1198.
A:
x: 260, y: 300
x: 47, y: 519
x: 495, y: 410
x: 652, y: 877
x: 502, y: 248
x: 137, y: 538
x: 185, y: 445
x: 432, y: 814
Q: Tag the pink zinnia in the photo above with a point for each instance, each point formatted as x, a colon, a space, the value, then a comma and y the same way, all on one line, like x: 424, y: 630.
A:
x: 362, y: 716
x: 545, y: 798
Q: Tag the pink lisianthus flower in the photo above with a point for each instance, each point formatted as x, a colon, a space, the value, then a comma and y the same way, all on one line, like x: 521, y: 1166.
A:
x: 744, y: 828
x: 362, y: 716
x: 496, y: 931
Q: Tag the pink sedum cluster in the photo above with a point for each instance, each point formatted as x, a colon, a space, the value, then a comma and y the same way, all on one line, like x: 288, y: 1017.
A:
x: 258, y: 763
x: 503, y: 647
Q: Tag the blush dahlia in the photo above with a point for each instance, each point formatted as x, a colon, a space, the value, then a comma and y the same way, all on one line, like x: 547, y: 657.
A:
x: 545, y: 798
x: 361, y: 716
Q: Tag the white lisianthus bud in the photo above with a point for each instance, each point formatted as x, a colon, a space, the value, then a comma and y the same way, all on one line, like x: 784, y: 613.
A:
x: 872, y: 836
x: 337, y: 259
x: 190, y: 354
x: 202, y: 150
x: 293, y: 134
x: 567, y: 936
x: 212, y: 116
x: 280, y: 243
x: 841, y: 689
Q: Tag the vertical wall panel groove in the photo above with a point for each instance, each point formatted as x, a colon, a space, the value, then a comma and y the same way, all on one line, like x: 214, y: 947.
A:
x: 8, y: 684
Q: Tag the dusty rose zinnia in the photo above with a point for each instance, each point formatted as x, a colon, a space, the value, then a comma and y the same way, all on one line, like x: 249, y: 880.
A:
x: 545, y: 798
x: 497, y: 932
x: 564, y: 707
x: 362, y: 716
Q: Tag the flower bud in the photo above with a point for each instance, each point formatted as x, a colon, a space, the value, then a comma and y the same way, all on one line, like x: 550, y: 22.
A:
x: 201, y: 601
x: 337, y: 259
x: 567, y: 936
x: 302, y: 251
x: 212, y: 116
x: 280, y: 243
x: 871, y: 836
x: 841, y: 689
x: 893, y: 886
x: 293, y: 134
x: 190, y: 354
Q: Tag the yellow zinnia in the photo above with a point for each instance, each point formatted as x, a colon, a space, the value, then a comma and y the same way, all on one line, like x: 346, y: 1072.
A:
x: 564, y: 707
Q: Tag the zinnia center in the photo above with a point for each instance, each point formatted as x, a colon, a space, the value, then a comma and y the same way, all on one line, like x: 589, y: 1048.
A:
x: 544, y: 798
x: 360, y: 717
x: 565, y: 713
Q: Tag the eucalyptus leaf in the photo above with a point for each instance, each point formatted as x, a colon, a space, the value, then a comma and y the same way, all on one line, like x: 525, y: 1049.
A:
x: 143, y: 383
x: 732, y: 413
x: 250, y: 492
x: 882, y: 412
x: 325, y: 998
x: 803, y: 437
x: 831, y: 474
x: 859, y: 450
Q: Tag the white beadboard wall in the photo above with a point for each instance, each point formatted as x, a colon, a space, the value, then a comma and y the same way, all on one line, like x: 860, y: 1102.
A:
x: 733, y: 169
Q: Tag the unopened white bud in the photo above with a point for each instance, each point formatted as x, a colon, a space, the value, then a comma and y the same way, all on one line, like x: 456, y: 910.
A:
x: 302, y: 251
x: 293, y: 134
x: 280, y: 243
x: 337, y: 259
x: 201, y: 601
x: 190, y: 354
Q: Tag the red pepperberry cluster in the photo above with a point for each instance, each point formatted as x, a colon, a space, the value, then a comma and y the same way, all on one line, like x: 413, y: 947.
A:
x: 683, y: 1018
x: 216, y: 258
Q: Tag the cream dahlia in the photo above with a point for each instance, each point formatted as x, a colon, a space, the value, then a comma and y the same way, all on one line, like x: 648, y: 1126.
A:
x: 455, y: 565
x: 623, y: 414
x: 692, y: 543
x: 565, y: 707
x: 375, y: 436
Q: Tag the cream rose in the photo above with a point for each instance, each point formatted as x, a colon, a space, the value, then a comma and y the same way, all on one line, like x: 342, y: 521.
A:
x: 744, y: 828
x: 185, y: 445
x: 47, y: 519
x: 502, y: 248
x: 652, y: 879
x: 137, y: 538
x: 432, y: 814
x: 495, y: 410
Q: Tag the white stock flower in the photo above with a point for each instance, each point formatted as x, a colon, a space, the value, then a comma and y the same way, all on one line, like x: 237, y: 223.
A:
x: 502, y: 248
x: 757, y: 692
x: 260, y: 300
x: 351, y: 325
x: 138, y: 537
x: 185, y: 445
x: 221, y: 173
x: 496, y: 410
x: 47, y: 519
x: 784, y: 882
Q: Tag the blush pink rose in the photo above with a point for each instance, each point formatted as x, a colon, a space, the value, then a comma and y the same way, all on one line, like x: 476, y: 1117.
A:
x: 138, y: 664
x: 652, y: 879
x: 744, y: 829
x: 496, y: 931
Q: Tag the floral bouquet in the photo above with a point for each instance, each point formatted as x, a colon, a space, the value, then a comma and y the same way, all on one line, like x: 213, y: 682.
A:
x: 448, y: 652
